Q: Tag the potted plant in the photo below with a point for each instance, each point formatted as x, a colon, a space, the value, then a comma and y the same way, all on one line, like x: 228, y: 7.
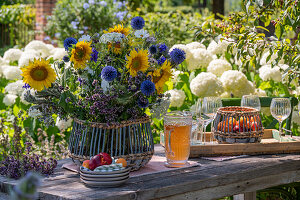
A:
x: 107, y: 83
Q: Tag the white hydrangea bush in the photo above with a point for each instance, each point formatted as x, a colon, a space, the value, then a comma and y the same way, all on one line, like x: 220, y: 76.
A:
x: 200, y: 59
x: 267, y: 73
x: 218, y: 66
x: 206, y: 84
x: 12, y: 55
x: 177, y: 97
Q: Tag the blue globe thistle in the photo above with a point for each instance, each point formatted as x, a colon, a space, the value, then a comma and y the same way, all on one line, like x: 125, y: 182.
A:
x: 147, y: 87
x: 143, y: 102
x: 94, y: 55
x: 177, y: 56
x: 26, y: 86
x: 137, y: 23
x: 153, y: 49
x: 66, y: 59
x: 69, y: 42
x: 109, y: 73
x: 162, y: 48
x: 161, y: 60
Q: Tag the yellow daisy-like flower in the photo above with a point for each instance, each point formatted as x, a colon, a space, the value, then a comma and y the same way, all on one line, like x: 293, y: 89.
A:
x: 81, y: 53
x: 39, y: 74
x: 137, y: 61
x: 162, y: 75
x: 118, y: 29
x: 116, y: 48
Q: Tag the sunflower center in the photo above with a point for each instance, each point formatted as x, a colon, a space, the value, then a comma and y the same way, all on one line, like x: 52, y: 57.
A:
x: 39, y: 73
x: 136, y: 63
x: 80, y: 52
x: 117, y: 45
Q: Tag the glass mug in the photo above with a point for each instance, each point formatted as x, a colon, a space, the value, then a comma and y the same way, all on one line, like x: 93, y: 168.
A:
x: 177, y: 131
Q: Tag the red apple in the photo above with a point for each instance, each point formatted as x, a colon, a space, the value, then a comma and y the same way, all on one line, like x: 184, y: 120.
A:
x: 254, y: 126
x: 105, y: 158
x: 95, y: 162
x: 236, y: 128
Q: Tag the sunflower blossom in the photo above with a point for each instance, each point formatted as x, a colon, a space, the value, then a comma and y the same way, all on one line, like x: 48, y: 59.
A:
x: 81, y: 54
x: 137, y: 61
x: 39, y: 74
x: 162, y: 75
x: 118, y: 29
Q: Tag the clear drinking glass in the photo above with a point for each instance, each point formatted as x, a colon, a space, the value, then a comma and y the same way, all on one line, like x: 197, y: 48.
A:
x: 177, y: 130
x: 210, y: 107
x: 280, y: 110
x: 251, y: 101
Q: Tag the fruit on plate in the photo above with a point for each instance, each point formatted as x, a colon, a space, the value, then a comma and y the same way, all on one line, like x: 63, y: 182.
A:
x: 86, y: 164
x: 122, y: 161
x: 95, y: 162
x: 105, y: 158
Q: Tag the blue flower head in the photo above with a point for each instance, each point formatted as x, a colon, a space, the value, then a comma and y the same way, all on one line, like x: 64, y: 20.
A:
x: 177, y: 56
x: 147, y: 87
x: 153, y: 49
x: 86, y: 6
x: 69, y: 42
x: 137, y: 23
x: 26, y: 86
x: 162, y: 48
x: 161, y: 60
x: 66, y: 58
x: 109, y: 73
x: 143, y: 102
x: 94, y: 55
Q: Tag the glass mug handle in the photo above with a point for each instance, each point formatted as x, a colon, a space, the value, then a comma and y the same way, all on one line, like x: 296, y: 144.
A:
x: 170, y: 152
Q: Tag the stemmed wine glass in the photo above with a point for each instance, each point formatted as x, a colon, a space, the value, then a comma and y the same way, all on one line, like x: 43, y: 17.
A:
x: 251, y: 101
x: 280, y: 110
x: 202, y: 119
x: 209, y: 108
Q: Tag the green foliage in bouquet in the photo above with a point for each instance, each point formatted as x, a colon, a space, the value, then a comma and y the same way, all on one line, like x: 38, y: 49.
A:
x: 74, y: 18
x: 109, y: 78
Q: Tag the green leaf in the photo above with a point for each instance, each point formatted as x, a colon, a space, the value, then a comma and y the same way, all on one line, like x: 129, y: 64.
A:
x: 265, y: 85
x: 261, y: 27
x: 278, y: 30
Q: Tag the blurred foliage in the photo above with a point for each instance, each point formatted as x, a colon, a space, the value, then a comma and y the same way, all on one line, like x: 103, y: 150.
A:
x: 12, y: 2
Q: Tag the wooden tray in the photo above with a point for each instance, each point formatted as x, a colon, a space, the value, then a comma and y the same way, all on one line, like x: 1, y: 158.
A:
x: 268, y: 145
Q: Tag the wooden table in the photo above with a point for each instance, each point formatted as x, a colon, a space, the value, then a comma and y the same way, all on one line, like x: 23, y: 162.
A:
x: 211, y: 180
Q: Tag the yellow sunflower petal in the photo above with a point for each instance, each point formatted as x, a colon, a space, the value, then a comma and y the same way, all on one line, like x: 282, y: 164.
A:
x: 81, y: 54
x: 137, y: 61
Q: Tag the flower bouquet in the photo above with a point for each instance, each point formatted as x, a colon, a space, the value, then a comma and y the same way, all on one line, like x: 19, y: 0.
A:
x: 106, y: 84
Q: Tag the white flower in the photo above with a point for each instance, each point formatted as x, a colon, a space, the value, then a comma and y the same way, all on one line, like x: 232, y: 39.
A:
x: 62, y: 124
x: 259, y: 92
x: 177, y: 97
x: 58, y: 54
x: 195, y: 45
x: 297, y: 91
x: 206, y: 84
x: 12, y: 73
x: 12, y: 55
x: 27, y: 56
x: 111, y: 37
x: 267, y: 73
x: 85, y: 38
x: 2, y: 61
x: 218, y: 67
x: 175, y: 74
x: 225, y: 95
x: 141, y: 34
x: 38, y: 46
x: 34, y: 112
x: 218, y: 48
x: 9, y: 99
x: 283, y: 66
x: 22, y: 98
x: 200, y: 58
x: 184, y: 48
x: 263, y: 60
x: 15, y: 88
x: 296, y: 117
x: 50, y: 47
x: 236, y: 82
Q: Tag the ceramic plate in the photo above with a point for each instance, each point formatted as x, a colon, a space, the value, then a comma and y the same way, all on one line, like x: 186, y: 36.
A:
x: 105, y: 173
x: 104, y: 179
x: 104, y: 184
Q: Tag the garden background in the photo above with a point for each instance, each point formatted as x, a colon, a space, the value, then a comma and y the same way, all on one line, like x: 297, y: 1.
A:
x: 232, y: 48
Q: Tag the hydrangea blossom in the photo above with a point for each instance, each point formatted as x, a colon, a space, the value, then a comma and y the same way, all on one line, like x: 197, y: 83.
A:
x: 263, y: 60
x: 267, y: 73
x: 218, y: 67
x: 62, y: 124
x: 259, y: 92
x: 38, y: 46
x: 218, y: 48
x: 85, y: 38
x: 206, y: 84
x: 28, y: 55
x: 195, y: 45
x: 12, y: 72
x: 175, y: 73
x: 200, y: 58
x: 9, y: 99
x: 15, y: 88
x: 58, y: 54
x: 12, y: 55
x: 177, y: 97
x: 111, y: 37
x: 141, y: 34
x: 236, y: 83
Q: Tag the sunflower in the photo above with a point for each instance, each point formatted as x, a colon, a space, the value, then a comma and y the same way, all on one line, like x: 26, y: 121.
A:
x: 80, y: 54
x: 161, y: 75
x: 116, y: 47
x: 137, y: 61
x: 39, y: 74
x: 118, y: 29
